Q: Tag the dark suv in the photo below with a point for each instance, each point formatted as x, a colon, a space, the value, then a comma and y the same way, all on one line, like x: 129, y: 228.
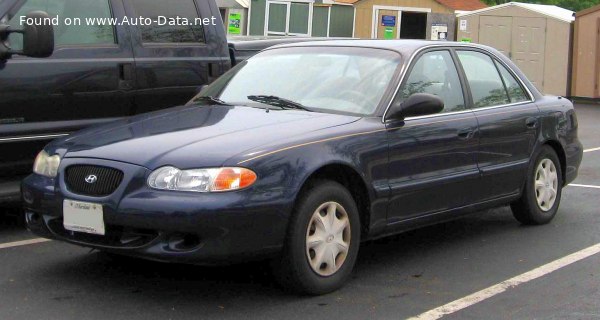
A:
x: 99, y: 72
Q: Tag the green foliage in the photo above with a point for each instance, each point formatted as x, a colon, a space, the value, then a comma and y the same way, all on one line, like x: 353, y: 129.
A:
x: 575, y: 5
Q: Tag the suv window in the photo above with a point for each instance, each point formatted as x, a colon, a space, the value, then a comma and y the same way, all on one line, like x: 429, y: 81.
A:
x: 78, y: 33
x: 486, y: 85
x: 435, y: 73
x: 515, y: 91
x: 160, y: 32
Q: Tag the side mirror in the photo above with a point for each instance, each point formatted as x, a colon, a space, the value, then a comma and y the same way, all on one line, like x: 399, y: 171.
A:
x: 38, y: 38
x: 418, y: 104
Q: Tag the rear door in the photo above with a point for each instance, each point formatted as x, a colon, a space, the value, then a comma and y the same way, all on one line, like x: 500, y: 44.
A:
x: 82, y: 83
x: 173, y: 60
x: 508, y: 122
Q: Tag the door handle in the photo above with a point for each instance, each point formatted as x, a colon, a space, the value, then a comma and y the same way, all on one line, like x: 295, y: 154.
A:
x: 125, y: 76
x: 531, y: 123
x: 466, y: 133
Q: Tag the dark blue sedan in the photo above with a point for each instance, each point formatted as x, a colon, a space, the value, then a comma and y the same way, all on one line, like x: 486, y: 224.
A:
x: 304, y: 151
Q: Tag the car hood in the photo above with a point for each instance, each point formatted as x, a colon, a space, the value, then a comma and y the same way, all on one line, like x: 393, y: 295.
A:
x: 193, y: 136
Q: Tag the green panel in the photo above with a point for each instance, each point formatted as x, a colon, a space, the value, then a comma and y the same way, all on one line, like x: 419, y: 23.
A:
x: 320, y: 23
x: 342, y: 21
x: 277, y: 17
x: 257, y: 17
x: 299, y: 18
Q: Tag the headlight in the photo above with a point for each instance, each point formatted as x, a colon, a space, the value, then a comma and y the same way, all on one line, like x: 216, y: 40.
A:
x: 46, y: 165
x: 201, y: 180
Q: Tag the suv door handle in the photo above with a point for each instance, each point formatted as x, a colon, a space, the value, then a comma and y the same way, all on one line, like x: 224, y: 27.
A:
x: 125, y: 76
x: 531, y: 123
x: 466, y: 133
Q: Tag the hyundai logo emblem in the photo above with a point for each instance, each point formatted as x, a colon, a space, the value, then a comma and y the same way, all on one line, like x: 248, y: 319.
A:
x: 91, y: 179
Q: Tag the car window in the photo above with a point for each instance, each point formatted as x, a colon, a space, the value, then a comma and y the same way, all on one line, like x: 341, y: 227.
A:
x: 78, y: 12
x: 515, y: 91
x: 435, y: 73
x: 486, y: 85
x: 161, y: 32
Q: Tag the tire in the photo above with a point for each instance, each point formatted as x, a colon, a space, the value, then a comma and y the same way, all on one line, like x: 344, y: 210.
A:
x: 543, y: 190
x: 298, y: 268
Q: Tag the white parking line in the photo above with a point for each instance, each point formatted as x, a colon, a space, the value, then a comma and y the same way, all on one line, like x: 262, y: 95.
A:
x: 592, y: 150
x: 489, y: 292
x: 22, y: 243
x: 584, y: 186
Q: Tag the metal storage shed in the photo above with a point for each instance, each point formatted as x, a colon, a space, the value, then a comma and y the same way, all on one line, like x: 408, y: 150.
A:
x: 586, y: 54
x: 536, y: 37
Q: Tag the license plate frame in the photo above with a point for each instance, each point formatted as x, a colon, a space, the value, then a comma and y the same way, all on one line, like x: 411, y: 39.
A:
x: 85, y: 217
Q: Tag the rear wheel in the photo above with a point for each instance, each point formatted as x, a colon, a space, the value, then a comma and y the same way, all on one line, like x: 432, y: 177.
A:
x: 322, y: 241
x: 543, y: 190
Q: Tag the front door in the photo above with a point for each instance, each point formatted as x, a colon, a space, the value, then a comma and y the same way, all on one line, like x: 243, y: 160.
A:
x: 387, y: 24
x: 528, y: 48
x: 496, y: 32
x: 82, y: 83
x: 432, y: 166
x: 288, y: 18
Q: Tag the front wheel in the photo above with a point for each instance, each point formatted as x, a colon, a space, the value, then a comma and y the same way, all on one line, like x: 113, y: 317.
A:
x: 322, y: 241
x: 543, y: 190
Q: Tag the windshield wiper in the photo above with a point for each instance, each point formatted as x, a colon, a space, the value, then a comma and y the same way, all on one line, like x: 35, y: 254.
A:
x: 279, y: 102
x: 212, y: 100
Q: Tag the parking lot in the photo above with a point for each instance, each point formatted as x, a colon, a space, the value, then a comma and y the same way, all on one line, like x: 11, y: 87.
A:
x: 405, y: 276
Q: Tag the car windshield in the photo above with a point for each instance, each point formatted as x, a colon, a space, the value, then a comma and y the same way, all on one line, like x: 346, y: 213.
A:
x: 321, y: 79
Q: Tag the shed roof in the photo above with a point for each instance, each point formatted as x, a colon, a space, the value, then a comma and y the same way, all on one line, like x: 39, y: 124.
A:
x: 547, y: 10
x: 458, y: 5
x: 588, y: 11
x: 463, y: 5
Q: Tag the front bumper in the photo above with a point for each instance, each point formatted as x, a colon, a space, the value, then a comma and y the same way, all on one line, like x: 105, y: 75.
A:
x: 207, y: 228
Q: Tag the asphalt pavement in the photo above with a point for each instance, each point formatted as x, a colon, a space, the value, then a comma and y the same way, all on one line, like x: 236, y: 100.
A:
x: 395, y: 278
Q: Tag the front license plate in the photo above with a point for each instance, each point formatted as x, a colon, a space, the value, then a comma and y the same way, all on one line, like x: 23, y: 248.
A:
x: 83, y: 217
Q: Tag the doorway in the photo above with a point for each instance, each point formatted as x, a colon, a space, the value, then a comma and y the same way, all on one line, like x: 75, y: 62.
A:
x: 413, y: 25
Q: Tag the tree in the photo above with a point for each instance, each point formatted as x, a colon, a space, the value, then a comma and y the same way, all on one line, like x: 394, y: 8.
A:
x: 574, y: 5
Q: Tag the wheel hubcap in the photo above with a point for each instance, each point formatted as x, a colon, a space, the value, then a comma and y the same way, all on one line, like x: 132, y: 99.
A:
x: 328, y: 238
x: 546, y: 184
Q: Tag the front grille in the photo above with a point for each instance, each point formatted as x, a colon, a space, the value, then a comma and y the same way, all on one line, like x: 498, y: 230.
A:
x: 106, y: 182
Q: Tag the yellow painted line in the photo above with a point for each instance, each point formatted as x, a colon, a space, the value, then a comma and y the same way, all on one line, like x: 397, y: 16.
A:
x: 23, y: 243
x: 501, y: 287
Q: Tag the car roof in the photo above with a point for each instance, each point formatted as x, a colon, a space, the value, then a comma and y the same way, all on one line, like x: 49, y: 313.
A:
x: 401, y: 46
